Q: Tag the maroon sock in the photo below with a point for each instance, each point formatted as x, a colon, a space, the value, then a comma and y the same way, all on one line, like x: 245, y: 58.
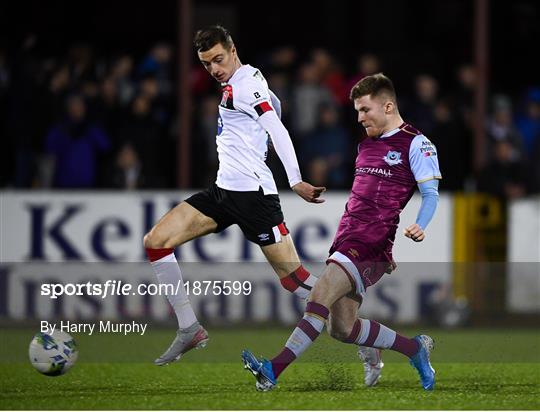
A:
x: 406, y: 346
x: 282, y: 360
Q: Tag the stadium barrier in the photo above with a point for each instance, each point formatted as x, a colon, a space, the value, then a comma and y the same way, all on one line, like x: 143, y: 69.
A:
x: 75, y: 236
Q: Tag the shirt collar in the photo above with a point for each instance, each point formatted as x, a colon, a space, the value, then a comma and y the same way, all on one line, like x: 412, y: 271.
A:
x: 237, y: 72
x: 393, y: 131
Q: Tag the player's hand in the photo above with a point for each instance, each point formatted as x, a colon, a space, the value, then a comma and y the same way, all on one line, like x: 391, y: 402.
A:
x: 415, y: 233
x: 308, y: 192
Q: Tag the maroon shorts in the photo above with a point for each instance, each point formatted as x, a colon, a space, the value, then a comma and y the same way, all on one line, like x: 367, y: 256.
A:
x: 363, y: 264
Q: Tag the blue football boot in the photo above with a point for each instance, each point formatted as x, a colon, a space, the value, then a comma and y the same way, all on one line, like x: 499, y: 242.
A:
x: 261, y: 369
x: 421, y: 363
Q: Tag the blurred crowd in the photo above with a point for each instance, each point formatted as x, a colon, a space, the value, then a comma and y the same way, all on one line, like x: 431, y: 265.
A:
x: 82, y: 120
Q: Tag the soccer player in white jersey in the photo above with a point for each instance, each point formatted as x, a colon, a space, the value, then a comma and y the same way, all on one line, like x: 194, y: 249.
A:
x: 244, y: 192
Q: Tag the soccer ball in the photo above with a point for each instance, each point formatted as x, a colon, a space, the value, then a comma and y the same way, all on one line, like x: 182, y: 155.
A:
x: 53, y: 354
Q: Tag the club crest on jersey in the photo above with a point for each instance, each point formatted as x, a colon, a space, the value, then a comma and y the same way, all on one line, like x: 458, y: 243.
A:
x: 393, y: 158
x: 227, y: 97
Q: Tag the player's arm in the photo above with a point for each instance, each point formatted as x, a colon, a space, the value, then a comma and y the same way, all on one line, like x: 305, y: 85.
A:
x: 281, y: 139
x: 430, y: 197
x: 256, y: 100
x: 424, y: 164
x: 276, y: 103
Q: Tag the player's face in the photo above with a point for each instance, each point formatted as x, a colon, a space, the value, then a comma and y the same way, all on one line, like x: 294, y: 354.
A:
x: 372, y: 114
x: 220, y: 62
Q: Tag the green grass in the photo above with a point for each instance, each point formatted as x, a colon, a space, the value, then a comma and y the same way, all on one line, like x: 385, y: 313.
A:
x: 476, y: 369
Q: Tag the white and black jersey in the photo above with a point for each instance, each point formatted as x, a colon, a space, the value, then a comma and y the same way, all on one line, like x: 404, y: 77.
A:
x: 248, y: 117
x: 245, y: 192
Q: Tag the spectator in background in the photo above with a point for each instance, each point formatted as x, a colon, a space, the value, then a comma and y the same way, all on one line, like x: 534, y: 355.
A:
x: 74, y: 146
x: 453, y: 147
x: 283, y: 60
x: 25, y: 123
x: 501, y: 128
x: 59, y: 87
x: 462, y: 105
x: 464, y: 94
x: 122, y: 73
x: 160, y: 110
x: 528, y: 123
x: 157, y: 63
x: 505, y: 175
x: 205, y: 161
x: 308, y: 95
x: 126, y: 172
x: 421, y: 111
x: 83, y: 71
x: 279, y: 83
x: 331, y: 75
x: 325, y: 150
x: 107, y: 109
x: 82, y: 67
x: 366, y: 65
x: 144, y: 134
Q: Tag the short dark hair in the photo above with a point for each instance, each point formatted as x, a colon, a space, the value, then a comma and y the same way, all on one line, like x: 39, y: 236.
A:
x: 373, y: 85
x: 207, y: 38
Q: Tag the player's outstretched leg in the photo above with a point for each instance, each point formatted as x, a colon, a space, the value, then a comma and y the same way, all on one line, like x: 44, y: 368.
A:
x: 307, y: 330
x: 190, y: 333
x: 329, y: 288
x: 371, y: 334
x: 193, y: 337
x: 178, y: 226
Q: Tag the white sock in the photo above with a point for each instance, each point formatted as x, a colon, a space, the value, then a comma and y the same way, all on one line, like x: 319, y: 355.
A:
x: 168, y: 272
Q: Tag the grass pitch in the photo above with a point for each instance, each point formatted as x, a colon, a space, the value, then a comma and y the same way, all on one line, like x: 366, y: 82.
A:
x: 486, y: 369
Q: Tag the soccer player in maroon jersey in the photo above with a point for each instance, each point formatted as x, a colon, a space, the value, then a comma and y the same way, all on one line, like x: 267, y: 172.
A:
x: 392, y: 161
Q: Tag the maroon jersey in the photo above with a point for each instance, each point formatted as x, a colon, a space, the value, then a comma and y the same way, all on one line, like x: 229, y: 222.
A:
x: 387, y: 170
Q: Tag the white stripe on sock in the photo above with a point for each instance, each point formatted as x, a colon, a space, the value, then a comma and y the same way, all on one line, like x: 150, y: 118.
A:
x: 301, y: 292
x: 365, y: 326
x: 317, y: 323
x: 385, y: 338
x: 311, y: 280
x: 299, y: 341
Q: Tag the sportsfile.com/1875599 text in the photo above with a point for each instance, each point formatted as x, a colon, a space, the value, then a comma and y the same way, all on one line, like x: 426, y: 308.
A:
x: 120, y: 288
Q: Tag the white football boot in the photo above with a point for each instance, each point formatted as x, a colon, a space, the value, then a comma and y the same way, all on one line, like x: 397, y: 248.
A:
x: 194, y: 337
x: 373, y: 364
